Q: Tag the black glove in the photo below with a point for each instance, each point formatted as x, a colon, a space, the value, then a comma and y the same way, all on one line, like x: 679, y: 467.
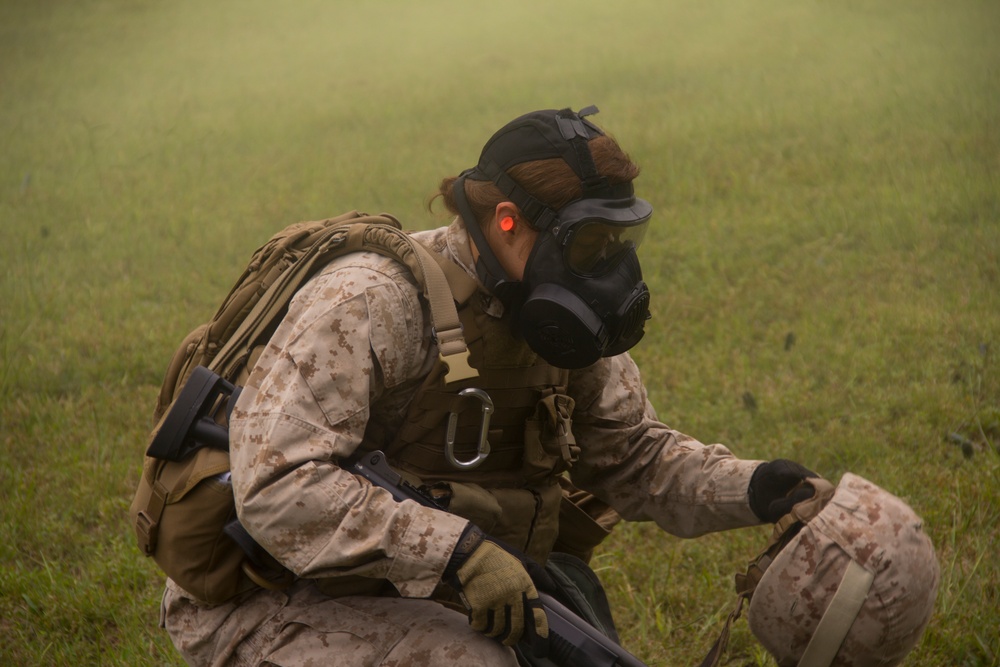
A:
x: 498, y: 591
x: 776, y: 486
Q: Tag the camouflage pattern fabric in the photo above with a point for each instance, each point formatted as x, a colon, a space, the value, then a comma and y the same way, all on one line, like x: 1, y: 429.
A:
x: 341, y: 369
x: 302, y: 627
x: 879, y: 532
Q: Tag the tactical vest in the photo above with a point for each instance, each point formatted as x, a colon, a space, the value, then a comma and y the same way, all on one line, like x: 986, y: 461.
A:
x: 513, y: 493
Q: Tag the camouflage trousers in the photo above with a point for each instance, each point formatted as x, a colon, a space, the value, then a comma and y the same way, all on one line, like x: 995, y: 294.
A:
x: 301, y: 626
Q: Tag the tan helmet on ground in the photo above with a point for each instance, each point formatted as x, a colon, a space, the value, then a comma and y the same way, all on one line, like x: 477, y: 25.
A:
x: 854, y: 584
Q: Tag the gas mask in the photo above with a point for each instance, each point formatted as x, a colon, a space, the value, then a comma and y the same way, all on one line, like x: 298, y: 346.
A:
x: 582, y: 296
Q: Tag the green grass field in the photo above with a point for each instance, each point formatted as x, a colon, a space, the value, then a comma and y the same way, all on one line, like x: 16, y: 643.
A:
x: 825, y: 262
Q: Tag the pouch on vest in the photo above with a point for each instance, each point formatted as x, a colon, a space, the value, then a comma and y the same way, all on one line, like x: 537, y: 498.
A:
x: 195, y: 500
x: 584, y: 522
x: 549, y: 445
x: 469, y: 501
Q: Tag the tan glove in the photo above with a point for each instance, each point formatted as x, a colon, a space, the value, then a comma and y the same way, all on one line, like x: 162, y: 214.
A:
x: 502, y: 600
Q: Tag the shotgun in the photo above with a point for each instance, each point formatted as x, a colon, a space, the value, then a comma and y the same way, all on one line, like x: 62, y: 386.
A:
x: 193, y: 422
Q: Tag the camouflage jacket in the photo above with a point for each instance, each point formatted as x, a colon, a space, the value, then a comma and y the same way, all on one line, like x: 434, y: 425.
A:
x: 342, y: 368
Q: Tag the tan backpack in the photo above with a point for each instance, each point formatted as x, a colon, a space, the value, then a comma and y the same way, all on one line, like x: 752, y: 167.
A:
x: 181, y: 507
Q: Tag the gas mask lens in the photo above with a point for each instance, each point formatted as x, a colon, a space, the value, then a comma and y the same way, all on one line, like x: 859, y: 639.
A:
x: 594, y: 247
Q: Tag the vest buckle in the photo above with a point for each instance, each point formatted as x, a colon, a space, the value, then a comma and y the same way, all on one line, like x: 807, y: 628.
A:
x: 483, y: 448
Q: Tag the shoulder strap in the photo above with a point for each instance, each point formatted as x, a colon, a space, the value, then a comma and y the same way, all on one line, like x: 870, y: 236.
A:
x: 381, y: 236
x: 428, y: 269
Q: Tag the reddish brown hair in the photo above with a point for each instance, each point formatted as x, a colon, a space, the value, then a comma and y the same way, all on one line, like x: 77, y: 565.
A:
x: 551, y: 181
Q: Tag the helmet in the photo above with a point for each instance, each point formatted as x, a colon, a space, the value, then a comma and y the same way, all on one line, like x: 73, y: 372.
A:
x: 854, y: 586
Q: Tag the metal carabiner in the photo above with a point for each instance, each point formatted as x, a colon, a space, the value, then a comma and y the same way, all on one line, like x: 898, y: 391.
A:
x: 483, y: 448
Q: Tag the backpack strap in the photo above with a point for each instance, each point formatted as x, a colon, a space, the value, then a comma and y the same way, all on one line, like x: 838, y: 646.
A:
x: 429, y: 270
x: 381, y: 236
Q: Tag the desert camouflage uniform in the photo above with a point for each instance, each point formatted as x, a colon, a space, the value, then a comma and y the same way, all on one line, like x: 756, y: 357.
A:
x: 342, y: 367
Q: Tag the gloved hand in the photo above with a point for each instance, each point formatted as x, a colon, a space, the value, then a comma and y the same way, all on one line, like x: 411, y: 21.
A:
x: 775, y: 487
x: 494, y: 585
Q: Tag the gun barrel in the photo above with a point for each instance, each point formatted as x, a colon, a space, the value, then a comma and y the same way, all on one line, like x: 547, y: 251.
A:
x: 573, y: 641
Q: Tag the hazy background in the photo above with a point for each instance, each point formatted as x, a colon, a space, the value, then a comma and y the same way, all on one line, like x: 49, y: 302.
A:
x: 824, y: 262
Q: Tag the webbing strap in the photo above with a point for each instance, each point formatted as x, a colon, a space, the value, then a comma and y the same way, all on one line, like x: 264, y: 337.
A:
x: 838, y: 617
x: 386, y: 240
x: 392, y: 242
x: 715, y: 653
x: 147, y: 522
x: 462, y: 285
x: 784, y: 531
x: 444, y: 317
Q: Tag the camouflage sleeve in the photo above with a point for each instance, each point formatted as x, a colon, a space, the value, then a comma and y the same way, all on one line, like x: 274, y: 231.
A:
x: 646, y: 470
x: 352, y: 339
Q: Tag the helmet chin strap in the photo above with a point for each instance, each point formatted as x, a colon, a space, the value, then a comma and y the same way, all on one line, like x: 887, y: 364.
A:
x: 785, y: 530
